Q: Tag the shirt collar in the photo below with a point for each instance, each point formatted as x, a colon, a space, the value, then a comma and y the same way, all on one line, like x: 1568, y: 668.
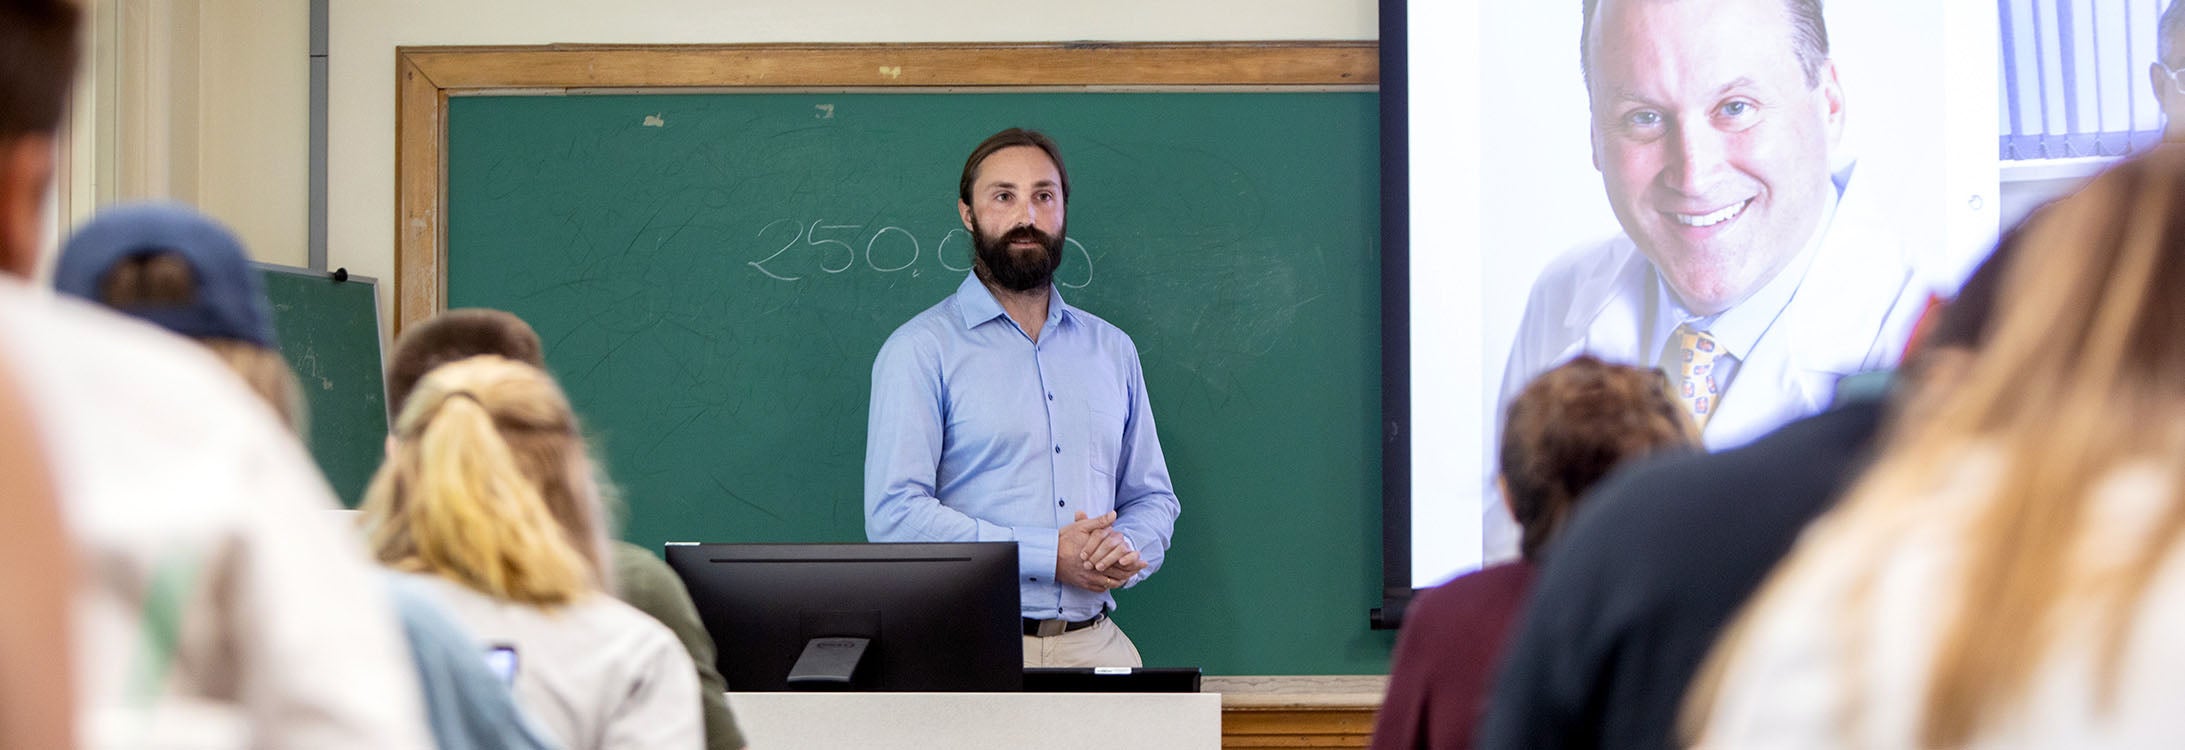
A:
x: 977, y: 303
x: 1739, y: 328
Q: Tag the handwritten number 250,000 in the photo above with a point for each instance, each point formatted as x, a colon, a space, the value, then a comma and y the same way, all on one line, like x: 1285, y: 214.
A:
x: 837, y: 253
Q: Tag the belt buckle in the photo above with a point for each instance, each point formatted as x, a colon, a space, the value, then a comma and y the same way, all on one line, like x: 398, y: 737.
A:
x: 1051, y: 628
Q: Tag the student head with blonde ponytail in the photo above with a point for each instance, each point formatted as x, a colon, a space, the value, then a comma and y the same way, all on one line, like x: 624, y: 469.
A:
x: 487, y: 484
x: 488, y: 497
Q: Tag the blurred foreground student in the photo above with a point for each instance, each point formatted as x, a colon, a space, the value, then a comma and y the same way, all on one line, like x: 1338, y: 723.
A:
x: 1567, y: 429
x: 176, y: 268
x: 641, y: 579
x: 224, y: 607
x: 2009, y: 572
x: 487, y: 496
x: 37, y: 579
x: 220, y: 606
x: 37, y: 566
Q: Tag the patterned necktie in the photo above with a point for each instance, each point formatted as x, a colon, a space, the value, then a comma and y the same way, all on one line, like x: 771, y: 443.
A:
x: 1696, y: 374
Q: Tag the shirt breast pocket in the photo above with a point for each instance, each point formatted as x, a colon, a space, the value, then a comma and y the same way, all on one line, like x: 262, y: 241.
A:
x: 1106, y: 426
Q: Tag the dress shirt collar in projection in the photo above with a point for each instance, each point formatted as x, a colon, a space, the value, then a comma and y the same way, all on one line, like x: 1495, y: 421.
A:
x: 978, y: 433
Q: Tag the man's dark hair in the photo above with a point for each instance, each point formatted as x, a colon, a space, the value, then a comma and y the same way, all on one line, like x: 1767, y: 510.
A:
x: 37, y: 63
x: 456, y: 335
x: 1006, y: 139
x: 1809, y: 37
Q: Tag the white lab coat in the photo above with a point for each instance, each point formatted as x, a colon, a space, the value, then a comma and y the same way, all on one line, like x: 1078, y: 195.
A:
x: 1851, y: 313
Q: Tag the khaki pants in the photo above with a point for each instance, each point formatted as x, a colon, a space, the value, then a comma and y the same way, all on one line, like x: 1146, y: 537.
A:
x: 1102, y: 645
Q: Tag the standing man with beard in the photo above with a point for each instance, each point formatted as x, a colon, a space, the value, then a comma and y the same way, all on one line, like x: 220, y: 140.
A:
x: 1005, y: 414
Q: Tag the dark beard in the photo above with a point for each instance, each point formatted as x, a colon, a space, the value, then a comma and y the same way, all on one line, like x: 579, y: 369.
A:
x: 997, y: 264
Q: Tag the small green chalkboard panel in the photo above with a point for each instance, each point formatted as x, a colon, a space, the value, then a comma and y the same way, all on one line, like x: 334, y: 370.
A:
x: 329, y: 333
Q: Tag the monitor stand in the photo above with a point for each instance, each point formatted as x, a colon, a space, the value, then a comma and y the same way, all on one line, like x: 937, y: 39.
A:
x: 827, y: 663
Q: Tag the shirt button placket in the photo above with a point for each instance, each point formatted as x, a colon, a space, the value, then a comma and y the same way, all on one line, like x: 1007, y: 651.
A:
x: 1039, y: 361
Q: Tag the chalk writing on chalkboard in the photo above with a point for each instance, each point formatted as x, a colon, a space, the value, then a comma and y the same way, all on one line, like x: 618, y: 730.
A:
x: 888, y: 249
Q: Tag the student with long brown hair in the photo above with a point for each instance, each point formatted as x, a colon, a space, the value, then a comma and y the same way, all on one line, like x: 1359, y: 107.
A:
x: 2009, y: 573
x: 487, y: 496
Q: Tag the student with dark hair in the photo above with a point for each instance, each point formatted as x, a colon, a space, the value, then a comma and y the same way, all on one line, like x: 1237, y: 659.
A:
x: 457, y: 335
x: 641, y: 579
x: 1568, y: 428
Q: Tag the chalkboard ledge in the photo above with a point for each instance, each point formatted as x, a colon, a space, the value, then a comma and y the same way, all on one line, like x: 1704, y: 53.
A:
x: 1297, y: 711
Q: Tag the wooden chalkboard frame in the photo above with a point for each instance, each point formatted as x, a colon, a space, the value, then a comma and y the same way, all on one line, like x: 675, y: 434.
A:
x: 426, y: 76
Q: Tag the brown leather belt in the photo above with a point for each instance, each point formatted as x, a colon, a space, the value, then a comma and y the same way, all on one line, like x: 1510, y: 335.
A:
x: 1051, y: 628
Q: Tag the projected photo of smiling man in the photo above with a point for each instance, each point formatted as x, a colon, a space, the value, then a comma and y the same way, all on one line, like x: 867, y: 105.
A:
x: 1713, y: 139
x: 1751, y: 268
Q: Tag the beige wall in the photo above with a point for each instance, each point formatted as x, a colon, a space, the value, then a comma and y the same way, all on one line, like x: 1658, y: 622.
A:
x: 200, y: 101
x: 253, y: 161
x: 365, y: 33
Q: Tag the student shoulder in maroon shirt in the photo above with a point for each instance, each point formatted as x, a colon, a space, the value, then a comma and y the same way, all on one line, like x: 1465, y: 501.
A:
x: 1567, y: 429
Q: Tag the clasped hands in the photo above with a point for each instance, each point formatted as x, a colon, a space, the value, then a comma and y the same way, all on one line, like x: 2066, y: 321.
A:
x: 1090, y: 554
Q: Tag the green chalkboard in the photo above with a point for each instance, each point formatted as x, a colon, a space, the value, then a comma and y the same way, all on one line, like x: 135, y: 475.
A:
x: 329, y: 333
x: 713, y: 274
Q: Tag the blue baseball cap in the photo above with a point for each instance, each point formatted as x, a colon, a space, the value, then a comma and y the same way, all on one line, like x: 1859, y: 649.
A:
x: 231, y: 301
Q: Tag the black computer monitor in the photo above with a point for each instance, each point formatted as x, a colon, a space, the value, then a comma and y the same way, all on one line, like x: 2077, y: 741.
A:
x: 938, y: 617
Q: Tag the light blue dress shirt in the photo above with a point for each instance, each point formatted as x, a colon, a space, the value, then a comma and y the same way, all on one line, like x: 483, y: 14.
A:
x: 977, y: 433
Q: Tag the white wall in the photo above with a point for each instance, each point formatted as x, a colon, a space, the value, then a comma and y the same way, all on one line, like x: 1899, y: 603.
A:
x: 360, y: 221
